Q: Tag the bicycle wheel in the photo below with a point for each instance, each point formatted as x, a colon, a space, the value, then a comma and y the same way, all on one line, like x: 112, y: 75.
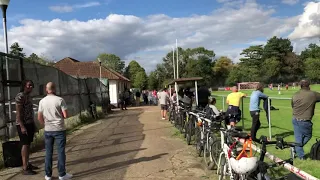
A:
x: 185, y: 124
x: 215, y: 151
x: 198, y: 143
x: 189, y: 131
x: 207, y: 154
x: 181, y: 126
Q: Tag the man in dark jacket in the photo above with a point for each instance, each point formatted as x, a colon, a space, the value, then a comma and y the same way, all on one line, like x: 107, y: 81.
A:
x: 303, y: 105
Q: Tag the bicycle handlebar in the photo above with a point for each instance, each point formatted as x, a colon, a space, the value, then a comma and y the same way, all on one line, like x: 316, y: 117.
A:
x: 280, y: 143
x: 235, y: 133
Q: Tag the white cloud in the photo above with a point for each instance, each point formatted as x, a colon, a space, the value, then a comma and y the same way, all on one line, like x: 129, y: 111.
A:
x: 290, y: 2
x: 309, y: 22
x: 129, y: 36
x: 70, y: 8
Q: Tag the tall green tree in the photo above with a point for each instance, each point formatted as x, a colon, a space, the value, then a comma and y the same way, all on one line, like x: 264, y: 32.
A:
x: 277, y: 47
x: 252, y: 56
x: 153, y: 81
x: 111, y: 61
x: 312, y: 69
x: 16, y: 50
x: 40, y: 60
x: 136, y: 74
x: 132, y: 69
x: 222, y: 69
x: 313, y: 51
x: 140, y: 80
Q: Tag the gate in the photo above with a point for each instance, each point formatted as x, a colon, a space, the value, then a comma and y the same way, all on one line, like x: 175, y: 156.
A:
x: 9, y: 87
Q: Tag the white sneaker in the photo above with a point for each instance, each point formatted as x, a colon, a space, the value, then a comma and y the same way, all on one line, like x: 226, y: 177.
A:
x: 47, y: 178
x: 67, y: 176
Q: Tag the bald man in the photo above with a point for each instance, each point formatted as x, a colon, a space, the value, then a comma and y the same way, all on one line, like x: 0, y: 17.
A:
x: 233, y: 100
x: 52, y: 112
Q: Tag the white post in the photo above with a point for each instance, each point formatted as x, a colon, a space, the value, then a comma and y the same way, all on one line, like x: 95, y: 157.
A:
x: 177, y: 59
x: 223, y: 103
x: 196, y: 89
x: 176, y: 87
x: 173, y: 64
x: 269, y: 118
x: 170, y: 91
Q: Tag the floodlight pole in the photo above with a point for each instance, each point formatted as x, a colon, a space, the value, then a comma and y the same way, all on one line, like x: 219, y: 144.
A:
x: 177, y: 59
x: 4, y: 7
x: 173, y: 64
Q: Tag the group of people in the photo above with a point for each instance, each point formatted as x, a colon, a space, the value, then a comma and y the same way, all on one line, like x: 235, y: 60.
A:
x: 303, y: 106
x: 52, y: 111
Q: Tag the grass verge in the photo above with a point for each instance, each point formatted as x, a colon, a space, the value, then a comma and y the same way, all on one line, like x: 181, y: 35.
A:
x: 72, y: 124
x: 281, y: 121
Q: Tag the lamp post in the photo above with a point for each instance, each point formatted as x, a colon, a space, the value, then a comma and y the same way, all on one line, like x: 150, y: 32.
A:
x: 4, y: 5
x: 100, y: 85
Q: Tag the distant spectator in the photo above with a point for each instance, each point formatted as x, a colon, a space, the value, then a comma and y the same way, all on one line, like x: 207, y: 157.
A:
x: 138, y: 95
x: 303, y: 105
x: 279, y: 89
x: 213, y: 107
x: 287, y: 87
x: 164, y: 99
x: 145, y: 97
x: 126, y: 97
x: 255, y: 110
x: 233, y: 101
x: 121, y: 99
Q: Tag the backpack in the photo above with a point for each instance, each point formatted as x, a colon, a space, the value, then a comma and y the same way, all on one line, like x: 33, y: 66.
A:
x: 315, y: 151
x: 209, y: 112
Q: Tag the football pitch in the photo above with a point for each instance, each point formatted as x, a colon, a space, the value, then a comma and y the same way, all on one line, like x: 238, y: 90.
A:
x: 281, y: 121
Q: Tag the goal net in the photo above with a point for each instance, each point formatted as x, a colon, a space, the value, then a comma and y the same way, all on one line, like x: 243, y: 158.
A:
x: 247, y: 85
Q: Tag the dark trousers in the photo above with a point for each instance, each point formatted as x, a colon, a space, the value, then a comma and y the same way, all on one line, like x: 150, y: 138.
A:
x: 60, y: 138
x: 302, y: 134
x: 255, y: 124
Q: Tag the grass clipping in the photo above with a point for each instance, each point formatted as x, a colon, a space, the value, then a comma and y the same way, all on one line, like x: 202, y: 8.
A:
x: 71, y: 123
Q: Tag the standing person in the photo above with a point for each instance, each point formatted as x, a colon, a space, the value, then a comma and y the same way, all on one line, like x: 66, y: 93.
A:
x: 25, y: 124
x: 279, y: 89
x: 255, y: 110
x: 52, y: 113
x: 126, y: 97
x: 138, y: 95
x: 121, y: 99
x: 233, y: 101
x: 203, y: 96
x: 163, y: 99
x: 303, y: 105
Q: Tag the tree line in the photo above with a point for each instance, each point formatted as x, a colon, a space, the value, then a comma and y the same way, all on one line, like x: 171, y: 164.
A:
x: 274, y: 62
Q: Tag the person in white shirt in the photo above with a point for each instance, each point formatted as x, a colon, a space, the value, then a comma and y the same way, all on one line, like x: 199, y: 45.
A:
x: 52, y: 113
x: 163, y: 99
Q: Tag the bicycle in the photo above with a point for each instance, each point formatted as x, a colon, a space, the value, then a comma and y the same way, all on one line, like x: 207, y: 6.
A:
x: 191, y: 124
x: 230, y: 155
x: 261, y: 172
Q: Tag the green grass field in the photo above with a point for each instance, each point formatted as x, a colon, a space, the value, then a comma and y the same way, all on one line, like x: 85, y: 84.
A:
x: 281, y: 122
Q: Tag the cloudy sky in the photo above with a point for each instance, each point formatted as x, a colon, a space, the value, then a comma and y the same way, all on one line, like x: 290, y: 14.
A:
x: 147, y: 29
